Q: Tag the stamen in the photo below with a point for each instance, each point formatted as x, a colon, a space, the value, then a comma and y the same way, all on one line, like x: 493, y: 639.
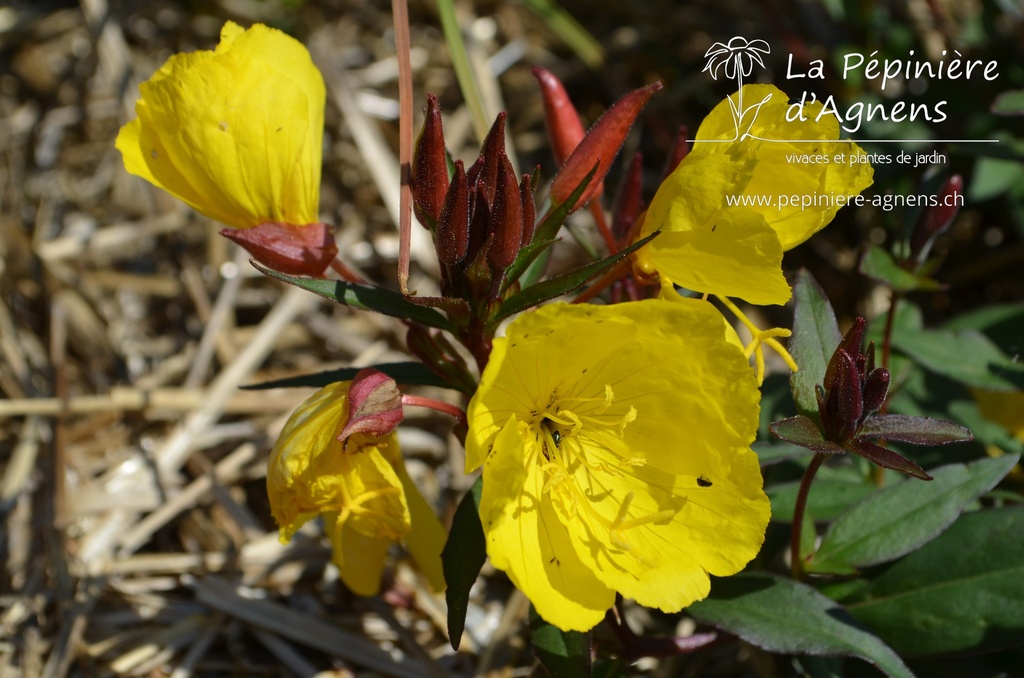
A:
x: 760, y: 338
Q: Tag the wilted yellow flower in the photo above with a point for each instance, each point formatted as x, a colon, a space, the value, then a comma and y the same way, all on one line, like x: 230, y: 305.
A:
x: 362, y: 490
x: 709, y: 245
x: 236, y: 132
x: 619, y: 463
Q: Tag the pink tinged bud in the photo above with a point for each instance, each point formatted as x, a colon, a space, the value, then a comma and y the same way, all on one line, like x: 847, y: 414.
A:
x: 628, y: 199
x: 934, y: 221
x: 563, y: 122
x: 506, y: 223
x: 876, y: 387
x: 430, y: 167
x: 286, y: 248
x: 600, y: 146
x: 374, y: 405
x: 453, y: 224
x: 680, y: 149
x: 529, y: 209
x: 851, y: 395
x: 485, y: 169
x: 479, y: 220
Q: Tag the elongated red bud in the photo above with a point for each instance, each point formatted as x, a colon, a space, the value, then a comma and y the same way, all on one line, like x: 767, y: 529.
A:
x: 485, y: 169
x: 430, y: 167
x: 680, y: 149
x: 600, y: 146
x: 479, y: 219
x: 934, y: 221
x: 506, y: 220
x: 295, y: 250
x: 453, y: 224
x: 565, y: 130
x: 529, y: 209
x: 628, y: 199
x: 851, y: 344
x: 374, y: 405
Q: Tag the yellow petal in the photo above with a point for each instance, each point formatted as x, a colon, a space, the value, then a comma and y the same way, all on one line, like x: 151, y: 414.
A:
x: 237, y: 132
x: 358, y: 557
x: 526, y: 539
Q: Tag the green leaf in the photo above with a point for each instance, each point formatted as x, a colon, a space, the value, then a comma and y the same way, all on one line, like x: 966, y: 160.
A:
x: 565, y: 654
x: 787, y: 617
x: 815, y: 338
x: 826, y: 499
x: 917, y: 430
x: 962, y: 592
x: 967, y: 356
x: 365, y: 297
x: 879, y: 265
x: 1009, y: 103
x: 567, y: 282
x: 899, y: 519
x: 547, y: 229
x: 463, y: 555
x: 771, y: 453
x: 407, y: 373
x: 525, y: 258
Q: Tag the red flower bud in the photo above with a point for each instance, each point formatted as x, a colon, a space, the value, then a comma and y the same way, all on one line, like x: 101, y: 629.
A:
x: 628, y: 199
x: 600, y: 146
x: 430, y: 167
x: 374, y: 405
x: 563, y: 122
x: 506, y: 223
x: 680, y: 149
x: 294, y: 250
x: 453, y: 224
x: 485, y: 169
x: 934, y: 221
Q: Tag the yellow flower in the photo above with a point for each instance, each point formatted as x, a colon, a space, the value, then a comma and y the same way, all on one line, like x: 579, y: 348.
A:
x: 708, y: 245
x: 235, y: 132
x: 615, y: 444
x: 362, y: 489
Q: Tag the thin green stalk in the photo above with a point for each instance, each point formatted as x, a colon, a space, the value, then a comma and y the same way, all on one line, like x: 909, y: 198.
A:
x: 463, y: 69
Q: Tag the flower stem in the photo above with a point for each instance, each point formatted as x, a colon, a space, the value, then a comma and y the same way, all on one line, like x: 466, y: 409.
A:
x: 439, y: 405
x: 602, y: 226
x: 796, y: 562
x: 877, y: 472
x: 403, y: 46
x: 616, y: 272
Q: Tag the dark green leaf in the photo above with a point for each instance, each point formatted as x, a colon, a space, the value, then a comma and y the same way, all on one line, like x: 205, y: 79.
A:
x: 563, y: 284
x: 902, y: 517
x: 1001, y: 323
x: 1009, y: 103
x: 879, y: 265
x: 917, y: 430
x: 962, y: 592
x: 463, y: 555
x: 966, y: 356
x: 366, y: 298
x: 408, y: 374
x: 815, y: 337
x: 565, y: 654
x: 787, y: 617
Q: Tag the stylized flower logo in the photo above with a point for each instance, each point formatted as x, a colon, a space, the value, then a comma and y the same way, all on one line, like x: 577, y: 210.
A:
x: 738, y: 57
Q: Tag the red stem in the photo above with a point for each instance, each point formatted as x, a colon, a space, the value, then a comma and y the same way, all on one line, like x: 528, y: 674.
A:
x: 602, y: 226
x: 403, y: 46
x: 796, y: 562
x: 440, y: 406
x: 346, y: 273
